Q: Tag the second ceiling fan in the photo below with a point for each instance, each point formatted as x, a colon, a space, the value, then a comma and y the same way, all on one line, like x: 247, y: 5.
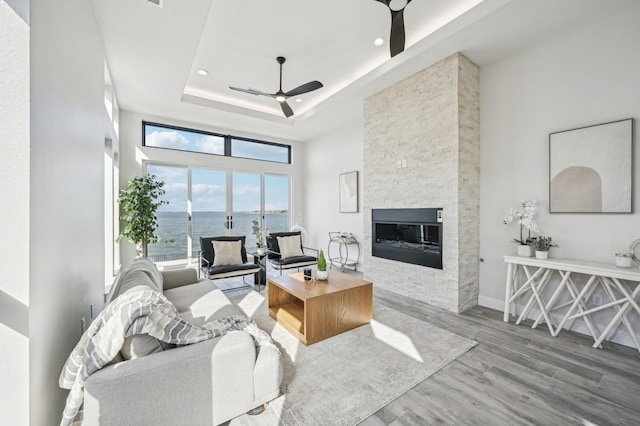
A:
x: 282, y: 96
x: 396, y: 39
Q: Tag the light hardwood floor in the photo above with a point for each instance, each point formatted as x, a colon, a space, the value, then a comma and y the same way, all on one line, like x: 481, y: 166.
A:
x: 516, y: 375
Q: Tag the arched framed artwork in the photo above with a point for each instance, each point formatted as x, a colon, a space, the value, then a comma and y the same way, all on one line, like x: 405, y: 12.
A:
x: 590, y: 169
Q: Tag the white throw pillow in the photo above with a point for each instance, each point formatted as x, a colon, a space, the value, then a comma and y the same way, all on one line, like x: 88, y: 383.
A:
x: 290, y: 246
x: 227, y: 253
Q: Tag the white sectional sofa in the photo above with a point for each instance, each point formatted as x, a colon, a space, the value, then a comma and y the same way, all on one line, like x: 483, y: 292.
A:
x: 206, y: 383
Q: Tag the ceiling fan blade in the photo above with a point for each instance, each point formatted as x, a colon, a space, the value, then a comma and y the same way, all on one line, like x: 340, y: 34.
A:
x: 396, y: 39
x: 280, y: 96
x: 288, y: 112
x: 305, y: 88
x: 252, y: 92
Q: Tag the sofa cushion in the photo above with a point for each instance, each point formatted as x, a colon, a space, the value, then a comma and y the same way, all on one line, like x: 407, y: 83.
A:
x: 141, y: 271
x: 140, y: 345
x: 136, y: 279
x: 227, y: 253
x: 201, y: 302
x: 145, y: 265
x: 141, y: 274
x: 115, y: 286
x: 290, y: 246
x: 178, y: 277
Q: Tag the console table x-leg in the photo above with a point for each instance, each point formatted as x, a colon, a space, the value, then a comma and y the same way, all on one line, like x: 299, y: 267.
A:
x: 621, y: 286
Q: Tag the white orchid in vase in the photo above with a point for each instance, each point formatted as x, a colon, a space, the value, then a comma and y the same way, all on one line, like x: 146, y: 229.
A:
x: 259, y: 233
x: 524, y: 216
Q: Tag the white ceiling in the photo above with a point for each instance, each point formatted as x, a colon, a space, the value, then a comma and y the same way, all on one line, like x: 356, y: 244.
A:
x: 154, y: 53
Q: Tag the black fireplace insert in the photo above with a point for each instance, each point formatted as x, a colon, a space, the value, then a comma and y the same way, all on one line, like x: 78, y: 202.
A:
x: 408, y: 235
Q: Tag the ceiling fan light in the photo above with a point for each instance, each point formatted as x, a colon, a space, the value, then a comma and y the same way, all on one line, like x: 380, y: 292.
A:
x: 397, y: 5
x: 280, y: 98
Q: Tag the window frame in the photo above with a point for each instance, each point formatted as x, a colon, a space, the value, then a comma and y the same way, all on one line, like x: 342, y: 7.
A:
x: 228, y: 139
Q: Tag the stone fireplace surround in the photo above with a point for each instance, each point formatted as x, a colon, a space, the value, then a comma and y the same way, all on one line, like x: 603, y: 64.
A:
x: 431, y: 120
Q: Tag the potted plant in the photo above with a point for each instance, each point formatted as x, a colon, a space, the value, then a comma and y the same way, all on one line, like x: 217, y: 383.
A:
x: 139, y: 201
x: 260, y: 235
x: 524, y: 216
x: 542, y: 245
x: 322, y: 273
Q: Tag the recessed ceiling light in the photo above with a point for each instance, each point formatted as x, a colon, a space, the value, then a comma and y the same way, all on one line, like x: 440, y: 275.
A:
x: 298, y: 100
x: 202, y: 71
x: 379, y: 41
x: 397, y: 5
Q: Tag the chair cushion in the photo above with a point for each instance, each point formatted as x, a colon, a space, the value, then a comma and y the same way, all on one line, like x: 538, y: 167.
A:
x: 290, y: 246
x: 293, y: 262
x: 227, y: 253
x: 248, y: 267
x: 274, y: 247
x: 206, y: 247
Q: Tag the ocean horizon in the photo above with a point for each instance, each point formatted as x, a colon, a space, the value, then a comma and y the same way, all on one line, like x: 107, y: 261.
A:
x: 173, y: 230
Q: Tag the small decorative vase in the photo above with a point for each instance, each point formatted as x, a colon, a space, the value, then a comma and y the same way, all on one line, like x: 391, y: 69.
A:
x: 322, y: 275
x: 525, y: 250
x: 623, y: 260
x: 260, y: 250
x: 542, y: 254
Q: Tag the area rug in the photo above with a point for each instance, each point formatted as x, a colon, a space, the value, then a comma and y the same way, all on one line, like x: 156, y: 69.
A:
x: 346, y: 378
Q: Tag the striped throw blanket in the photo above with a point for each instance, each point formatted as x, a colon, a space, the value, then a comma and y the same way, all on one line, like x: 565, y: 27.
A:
x: 139, y: 312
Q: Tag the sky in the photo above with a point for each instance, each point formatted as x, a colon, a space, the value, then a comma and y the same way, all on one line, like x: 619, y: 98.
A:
x: 210, y: 189
x: 185, y: 140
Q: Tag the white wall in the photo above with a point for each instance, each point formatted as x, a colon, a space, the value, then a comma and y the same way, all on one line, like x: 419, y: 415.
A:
x: 133, y: 154
x: 14, y: 214
x: 66, y: 259
x: 586, y: 76
x: 326, y: 157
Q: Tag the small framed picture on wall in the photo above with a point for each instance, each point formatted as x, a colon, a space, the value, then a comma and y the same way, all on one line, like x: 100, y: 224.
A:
x: 349, y: 192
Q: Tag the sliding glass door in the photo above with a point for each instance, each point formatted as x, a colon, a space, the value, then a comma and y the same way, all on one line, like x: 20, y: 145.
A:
x: 173, y: 218
x: 247, y: 204
x: 276, y: 203
x: 209, y: 203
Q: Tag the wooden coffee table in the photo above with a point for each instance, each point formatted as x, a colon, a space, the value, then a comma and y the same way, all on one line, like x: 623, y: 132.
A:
x: 314, y: 312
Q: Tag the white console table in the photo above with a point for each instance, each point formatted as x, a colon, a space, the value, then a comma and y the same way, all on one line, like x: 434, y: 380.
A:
x: 620, y: 285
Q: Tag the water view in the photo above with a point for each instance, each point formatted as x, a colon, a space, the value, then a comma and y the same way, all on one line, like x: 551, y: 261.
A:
x: 172, y: 226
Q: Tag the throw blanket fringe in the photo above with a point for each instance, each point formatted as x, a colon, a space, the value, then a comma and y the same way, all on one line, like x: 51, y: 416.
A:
x: 138, y: 312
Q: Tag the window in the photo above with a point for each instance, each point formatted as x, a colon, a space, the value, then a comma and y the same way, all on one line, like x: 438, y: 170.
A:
x: 182, y: 139
x: 257, y: 150
x: 111, y: 210
x: 210, y: 203
x: 159, y: 136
